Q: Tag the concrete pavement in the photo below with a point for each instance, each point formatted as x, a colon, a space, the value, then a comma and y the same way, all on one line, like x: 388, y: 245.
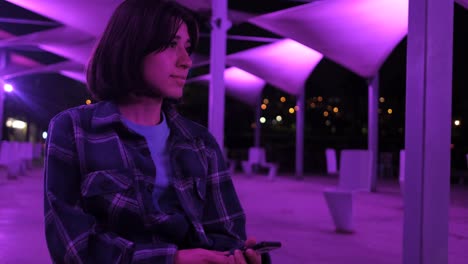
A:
x: 290, y: 211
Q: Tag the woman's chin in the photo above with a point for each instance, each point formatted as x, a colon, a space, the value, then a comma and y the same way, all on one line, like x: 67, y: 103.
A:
x: 175, y: 95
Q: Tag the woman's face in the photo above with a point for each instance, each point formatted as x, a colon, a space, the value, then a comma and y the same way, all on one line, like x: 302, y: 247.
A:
x: 166, y: 71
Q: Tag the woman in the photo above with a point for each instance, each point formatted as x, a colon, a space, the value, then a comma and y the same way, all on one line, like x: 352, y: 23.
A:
x: 128, y: 180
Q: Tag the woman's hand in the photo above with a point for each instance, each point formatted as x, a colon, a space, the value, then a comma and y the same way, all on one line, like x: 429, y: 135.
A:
x: 200, y: 256
x: 252, y: 256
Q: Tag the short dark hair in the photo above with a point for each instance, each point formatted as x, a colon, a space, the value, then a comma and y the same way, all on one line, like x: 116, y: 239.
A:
x: 136, y: 29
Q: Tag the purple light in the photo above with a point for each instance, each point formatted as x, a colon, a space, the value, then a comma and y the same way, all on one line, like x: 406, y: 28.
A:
x: 358, y: 34
x: 8, y: 87
x: 242, y: 85
x: 286, y: 63
x: 239, y: 84
x: 88, y: 16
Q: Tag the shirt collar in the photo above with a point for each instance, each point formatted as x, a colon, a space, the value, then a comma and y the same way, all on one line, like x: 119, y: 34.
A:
x: 107, y: 114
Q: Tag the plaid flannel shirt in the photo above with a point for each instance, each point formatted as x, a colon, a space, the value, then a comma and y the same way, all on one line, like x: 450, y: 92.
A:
x: 99, y: 177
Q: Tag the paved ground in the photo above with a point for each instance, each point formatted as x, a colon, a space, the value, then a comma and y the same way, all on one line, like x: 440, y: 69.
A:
x: 290, y: 211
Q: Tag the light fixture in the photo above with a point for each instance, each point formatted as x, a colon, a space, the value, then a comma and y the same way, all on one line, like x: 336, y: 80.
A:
x: 8, y: 88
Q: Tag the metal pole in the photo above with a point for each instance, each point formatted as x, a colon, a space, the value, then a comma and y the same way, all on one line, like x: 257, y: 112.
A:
x: 428, y: 132
x: 258, y: 127
x: 373, y: 136
x: 220, y: 24
x: 300, y: 134
x: 4, y: 58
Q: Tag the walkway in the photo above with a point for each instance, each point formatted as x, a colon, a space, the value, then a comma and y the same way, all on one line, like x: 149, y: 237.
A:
x: 293, y: 212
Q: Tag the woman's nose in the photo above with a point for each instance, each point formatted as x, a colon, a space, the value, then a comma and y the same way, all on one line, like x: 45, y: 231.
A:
x: 184, y: 59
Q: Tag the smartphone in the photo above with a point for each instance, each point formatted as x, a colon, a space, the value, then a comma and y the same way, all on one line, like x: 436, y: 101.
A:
x: 266, y: 246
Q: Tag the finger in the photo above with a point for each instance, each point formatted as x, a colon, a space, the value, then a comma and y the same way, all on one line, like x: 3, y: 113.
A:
x: 219, y: 253
x: 250, y: 242
x: 231, y: 259
x: 218, y: 259
x: 239, y: 256
x: 222, y: 253
x: 253, y: 256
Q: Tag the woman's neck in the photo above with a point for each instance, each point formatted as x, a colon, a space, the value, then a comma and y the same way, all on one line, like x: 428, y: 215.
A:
x: 144, y: 111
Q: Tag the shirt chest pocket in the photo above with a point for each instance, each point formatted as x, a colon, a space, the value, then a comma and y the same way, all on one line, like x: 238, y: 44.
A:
x: 191, y: 171
x: 192, y: 194
x: 109, y: 193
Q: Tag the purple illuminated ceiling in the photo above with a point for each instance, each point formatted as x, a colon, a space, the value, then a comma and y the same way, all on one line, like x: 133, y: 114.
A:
x: 91, y: 16
x: 64, y: 41
x: 56, y: 36
x: 358, y: 34
x: 68, y: 66
x: 463, y: 3
x: 69, y: 43
x: 85, y: 15
x: 286, y: 64
x: 239, y: 84
x: 78, y: 76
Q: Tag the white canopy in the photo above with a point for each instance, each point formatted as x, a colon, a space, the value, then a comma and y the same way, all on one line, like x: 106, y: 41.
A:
x: 91, y: 16
x: 358, y: 34
x: 286, y: 64
x: 66, y: 66
x: 239, y: 84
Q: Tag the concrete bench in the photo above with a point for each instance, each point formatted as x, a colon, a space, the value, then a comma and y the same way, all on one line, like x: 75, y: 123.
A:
x: 230, y: 163
x: 257, y: 157
x: 10, y: 160
x: 330, y: 155
x: 22, y: 151
x: 354, y: 176
x: 355, y: 170
x: 38, y: 154
x: 401, y: 176
x: 340, y: 205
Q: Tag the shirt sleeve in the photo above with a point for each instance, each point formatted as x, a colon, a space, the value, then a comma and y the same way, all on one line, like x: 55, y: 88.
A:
x: 223, y: 217
x: 72, y: 235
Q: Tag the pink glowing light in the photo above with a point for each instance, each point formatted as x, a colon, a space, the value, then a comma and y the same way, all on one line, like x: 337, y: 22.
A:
x: 358, y: 34
x: 239, y: 84
x: 243, y: 86
x: 286, y: 64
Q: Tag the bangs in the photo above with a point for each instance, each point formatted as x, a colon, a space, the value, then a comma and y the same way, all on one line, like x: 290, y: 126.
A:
x: 163, y: 29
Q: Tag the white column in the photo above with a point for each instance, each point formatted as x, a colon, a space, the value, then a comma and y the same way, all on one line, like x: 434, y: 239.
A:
x: 428, y: 132
x: 3, y: 64
x: 220, y: 25
x: 258, y: 127
x: 300, y: 134
x: 373, y: 129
